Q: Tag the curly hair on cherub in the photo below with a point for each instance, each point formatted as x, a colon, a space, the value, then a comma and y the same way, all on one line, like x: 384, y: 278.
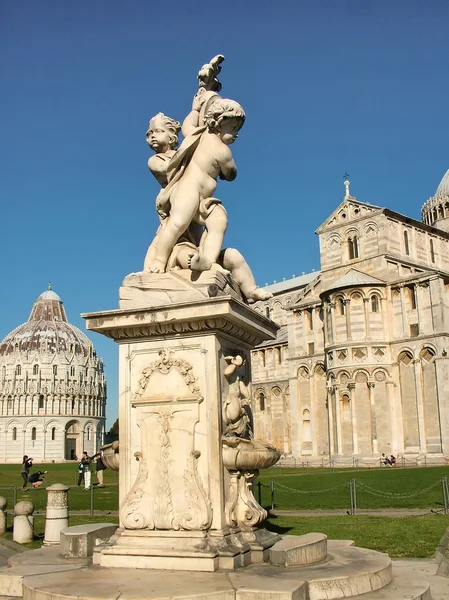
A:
x: 220, y: 109
x: 173, y: 127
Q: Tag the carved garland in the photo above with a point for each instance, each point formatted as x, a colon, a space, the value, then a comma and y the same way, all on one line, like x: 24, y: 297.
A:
x: 164, y: 364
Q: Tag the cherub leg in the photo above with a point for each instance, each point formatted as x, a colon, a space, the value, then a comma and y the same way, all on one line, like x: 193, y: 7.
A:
x: 216, y: 224
x: 172, y: 228
x: 234, y: 261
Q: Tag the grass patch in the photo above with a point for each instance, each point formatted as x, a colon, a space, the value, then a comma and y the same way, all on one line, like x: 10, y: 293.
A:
x: 415, y: 537
x: 325, y: 489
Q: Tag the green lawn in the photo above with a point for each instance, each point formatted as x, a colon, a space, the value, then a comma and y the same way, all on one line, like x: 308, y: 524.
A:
x: 300, y: 489
x: 412, y: 537
x: 308, y: 489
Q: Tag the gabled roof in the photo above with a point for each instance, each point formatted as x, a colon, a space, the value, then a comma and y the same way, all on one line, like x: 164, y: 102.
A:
x: 291, y: 284
x: 281, y: 338
x: 349, y: 210
x: 354, y: 278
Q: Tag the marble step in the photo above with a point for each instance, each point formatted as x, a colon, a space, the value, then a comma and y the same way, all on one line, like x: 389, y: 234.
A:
x: 347, y: 572
x: 299, y: 550
x: 400, y: 589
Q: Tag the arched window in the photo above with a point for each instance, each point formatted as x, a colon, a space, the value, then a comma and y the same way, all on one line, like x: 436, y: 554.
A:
x: 88, y: 434
x: 72, y: 371
x: 374, y: 303
x: 412, y: 296
x: 261, y: 401
x: 14, y: 434
x: 406, y: 244
x: 41, y: 401
x: 55, y: 370
x: 341, y: 306
x: 432, y: 251
x: 33, y: 434
x: 18, y: 370
x: 53, y: 433
x: 309, y: 319
x: 267, y: 312
x: 353, y: 247
x: 36, y: 370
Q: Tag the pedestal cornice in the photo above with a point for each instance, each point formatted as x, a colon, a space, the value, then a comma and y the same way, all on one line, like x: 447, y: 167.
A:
x: 223, y: 314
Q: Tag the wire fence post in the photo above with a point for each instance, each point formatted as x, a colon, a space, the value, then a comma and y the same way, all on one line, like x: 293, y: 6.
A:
x: 445, y: 494
x: 259, y: 493
x: 14, y: 495
x: 272, y: 494
x: 91, y: 500
x: 352, y: 496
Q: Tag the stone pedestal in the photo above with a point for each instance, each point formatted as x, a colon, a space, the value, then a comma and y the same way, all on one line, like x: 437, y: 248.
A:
x: 177, y: 499
x: 23, y: 526
x: 57, y: 515
x: 3, y: 505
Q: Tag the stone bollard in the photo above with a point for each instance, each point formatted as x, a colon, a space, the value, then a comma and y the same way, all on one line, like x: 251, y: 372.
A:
x: 23, y: 522
x: 3, y: 505
x: 57, y: 515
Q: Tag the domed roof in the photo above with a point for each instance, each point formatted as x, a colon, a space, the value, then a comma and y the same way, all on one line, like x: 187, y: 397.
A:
x: 48, y: 330
x: 443, y: 188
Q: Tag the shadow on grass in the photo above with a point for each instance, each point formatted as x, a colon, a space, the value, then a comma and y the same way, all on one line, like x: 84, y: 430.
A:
x: 270, y: 524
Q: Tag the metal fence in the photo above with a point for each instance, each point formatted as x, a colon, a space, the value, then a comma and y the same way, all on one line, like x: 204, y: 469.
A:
x: 287, y: 462
x: 352, y: 485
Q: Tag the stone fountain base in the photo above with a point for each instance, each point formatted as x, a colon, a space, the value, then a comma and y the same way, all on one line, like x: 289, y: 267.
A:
x: 185, y: 551
x: 344, y: 572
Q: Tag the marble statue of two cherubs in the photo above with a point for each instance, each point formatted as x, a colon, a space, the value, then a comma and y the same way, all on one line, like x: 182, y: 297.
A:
x: 193, y: 221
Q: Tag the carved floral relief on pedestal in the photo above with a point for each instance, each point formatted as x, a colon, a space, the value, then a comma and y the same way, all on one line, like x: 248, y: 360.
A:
x: 242, y: 455
x: 168, y: 492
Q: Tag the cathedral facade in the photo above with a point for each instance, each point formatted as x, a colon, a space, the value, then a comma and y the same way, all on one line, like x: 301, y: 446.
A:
x: 360, y: 365
x: 52, y: 388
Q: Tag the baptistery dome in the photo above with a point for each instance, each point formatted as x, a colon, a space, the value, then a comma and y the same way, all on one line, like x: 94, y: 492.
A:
x: 52, y: 388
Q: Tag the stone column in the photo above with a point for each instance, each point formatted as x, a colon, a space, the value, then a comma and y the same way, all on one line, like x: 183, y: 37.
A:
x: 403, y: 310
x: 333, y: 331
x: 355, y: 441
x: 23, y: 522
x: 3, y: 505
x: 420, y: 405
x: 325, y: 323
x: 366, y: 302
x: 371, y: 385
x: 348, y: 318
x: 57, y: 514
x: 338, y: 422
x: 184, y: 484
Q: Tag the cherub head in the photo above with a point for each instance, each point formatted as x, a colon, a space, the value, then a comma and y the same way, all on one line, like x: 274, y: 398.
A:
x: 162, y: 134
x: 225, y: 117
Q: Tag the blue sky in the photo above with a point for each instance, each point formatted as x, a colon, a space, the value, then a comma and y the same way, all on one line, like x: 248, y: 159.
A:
x: 328, y: 87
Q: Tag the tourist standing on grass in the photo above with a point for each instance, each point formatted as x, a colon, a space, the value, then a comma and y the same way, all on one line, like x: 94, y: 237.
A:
x: 80, y: 473
x: 99, y: 468
x: 87, y: 470
x: 27, y: 463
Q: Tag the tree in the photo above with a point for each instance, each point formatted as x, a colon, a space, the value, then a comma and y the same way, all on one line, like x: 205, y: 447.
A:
x: 114, y: 429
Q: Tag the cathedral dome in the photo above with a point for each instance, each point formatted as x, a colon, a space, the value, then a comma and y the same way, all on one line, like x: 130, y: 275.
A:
x: 52, y: 388
x: 47, y: 330
x: 435, y: 211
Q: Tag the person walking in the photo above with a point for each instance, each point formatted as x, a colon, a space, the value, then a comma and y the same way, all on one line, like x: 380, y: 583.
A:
x: 27, y: 463
x: 80, y: 473
x: 99, y: 468
x: 87, y: 470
